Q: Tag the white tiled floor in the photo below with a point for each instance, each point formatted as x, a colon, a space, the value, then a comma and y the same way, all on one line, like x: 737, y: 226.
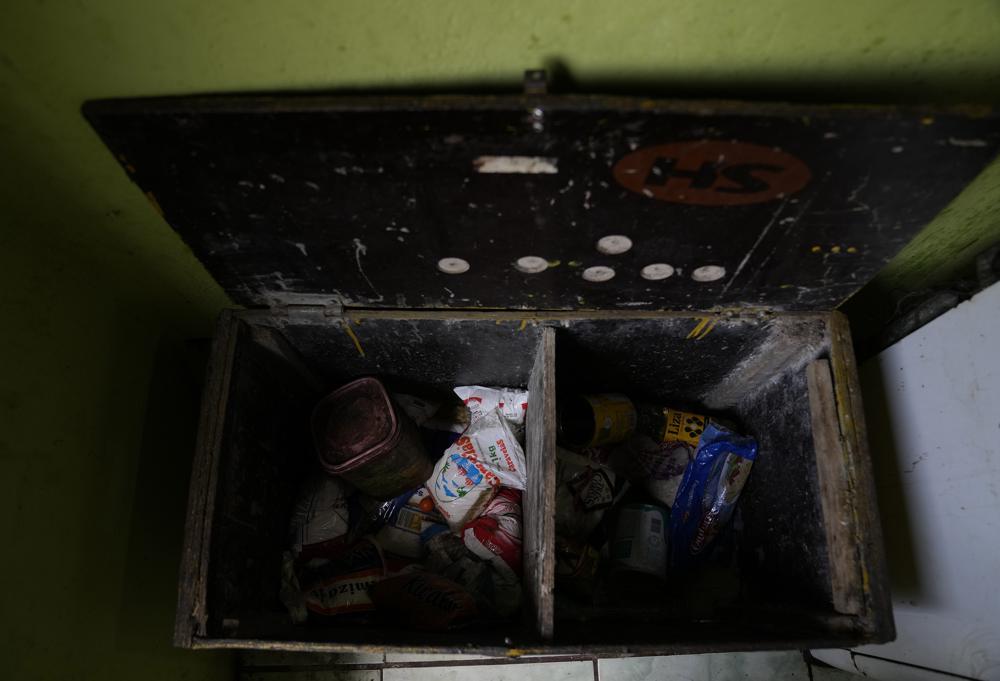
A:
x: 765, y: 666
x: 551, y: 671
x: 426, y: 657
x: 322, y: 675
x: 716, y: 667
x: 272, y: 658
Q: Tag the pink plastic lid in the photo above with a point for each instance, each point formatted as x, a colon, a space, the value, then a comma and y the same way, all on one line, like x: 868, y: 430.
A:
x: 353, y: 424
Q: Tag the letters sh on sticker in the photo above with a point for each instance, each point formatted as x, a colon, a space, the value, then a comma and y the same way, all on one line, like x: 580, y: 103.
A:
x: 712, y: 173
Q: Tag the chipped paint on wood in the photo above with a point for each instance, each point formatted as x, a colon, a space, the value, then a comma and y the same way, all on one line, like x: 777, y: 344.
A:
x: 702, y: 328
x: 517, y: 165
x: 353, y: 336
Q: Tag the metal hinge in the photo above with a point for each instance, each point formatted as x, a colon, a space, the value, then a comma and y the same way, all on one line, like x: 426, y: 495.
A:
x: 308, y: 312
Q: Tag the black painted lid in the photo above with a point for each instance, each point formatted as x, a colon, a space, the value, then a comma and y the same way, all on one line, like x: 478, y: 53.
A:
x: 368, y: 199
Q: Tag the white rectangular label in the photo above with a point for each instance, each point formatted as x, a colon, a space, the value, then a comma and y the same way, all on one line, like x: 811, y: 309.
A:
x: 522, y: 165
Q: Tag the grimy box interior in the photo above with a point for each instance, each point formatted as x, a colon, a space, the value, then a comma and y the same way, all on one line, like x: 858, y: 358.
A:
x: 326, y: 217
x: 267, y: 379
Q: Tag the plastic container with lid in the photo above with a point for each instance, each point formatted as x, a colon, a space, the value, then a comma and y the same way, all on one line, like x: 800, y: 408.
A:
x: 362, y: 436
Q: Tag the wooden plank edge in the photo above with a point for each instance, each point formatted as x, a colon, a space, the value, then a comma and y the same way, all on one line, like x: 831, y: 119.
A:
x: 540, y: 540
x: 838, y: 517
x: 876, y: 618
x: 549, y: 489
x: 190, y: 618
x: 265, y: 316
x: 842, y: 640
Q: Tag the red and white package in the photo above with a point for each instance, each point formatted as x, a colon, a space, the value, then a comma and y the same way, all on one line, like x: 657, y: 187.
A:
x: 341, y: 585
x: 471, y: 471
x: 512, y: 404
x: 496, y: 534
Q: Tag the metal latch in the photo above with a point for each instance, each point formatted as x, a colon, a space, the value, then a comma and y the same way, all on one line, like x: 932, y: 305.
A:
x: 536, y: 82
x: 308, y: 312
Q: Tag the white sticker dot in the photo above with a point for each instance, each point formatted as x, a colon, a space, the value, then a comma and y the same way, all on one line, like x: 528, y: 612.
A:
x: 614, y: 244
x: 453, y: 265
x: 531, y: 264
x: 657, y: 271
x: 598, y: 273
x: 708, y: 273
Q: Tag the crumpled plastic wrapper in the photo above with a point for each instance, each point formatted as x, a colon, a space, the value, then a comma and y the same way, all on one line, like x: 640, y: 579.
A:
x: 495, y: 591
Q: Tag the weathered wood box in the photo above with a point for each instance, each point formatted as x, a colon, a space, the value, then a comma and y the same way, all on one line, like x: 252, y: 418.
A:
x: 455, y: 240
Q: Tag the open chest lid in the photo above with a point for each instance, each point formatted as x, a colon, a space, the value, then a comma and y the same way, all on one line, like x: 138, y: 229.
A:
x: 507, y: 202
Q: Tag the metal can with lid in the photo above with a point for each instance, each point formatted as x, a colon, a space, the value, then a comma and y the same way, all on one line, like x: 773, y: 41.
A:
x: 594, y: 420
x: 362, y: 436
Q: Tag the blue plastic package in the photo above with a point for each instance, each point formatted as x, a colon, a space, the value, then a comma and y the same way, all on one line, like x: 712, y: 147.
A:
x: 708, y: 493
x: 368, y: 515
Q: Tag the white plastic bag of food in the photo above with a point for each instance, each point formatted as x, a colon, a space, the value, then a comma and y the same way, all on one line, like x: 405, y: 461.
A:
x: 472, y: 470
x: 512, y: 403
x: 320, y: 514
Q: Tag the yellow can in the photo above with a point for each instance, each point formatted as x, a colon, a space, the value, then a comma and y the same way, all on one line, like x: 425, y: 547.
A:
x: 594, y: 420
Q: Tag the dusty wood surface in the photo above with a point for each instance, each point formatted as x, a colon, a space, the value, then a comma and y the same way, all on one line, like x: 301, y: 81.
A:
x: 270, y: 338
x: 191, y: 614
x: 783, y: 538
x: 748, y: 640
x: 267, y: 316
x: 594, y: 638
x: 876, y: 616
x: 288, y: 169
x: 540, y: 498
x: 835, y: 497
x: 437, y: 353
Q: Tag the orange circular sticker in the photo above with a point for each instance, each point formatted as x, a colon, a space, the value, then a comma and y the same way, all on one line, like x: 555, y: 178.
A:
x: 712, y: 173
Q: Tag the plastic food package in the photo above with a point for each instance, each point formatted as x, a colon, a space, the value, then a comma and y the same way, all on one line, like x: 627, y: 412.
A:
x: 471, y: 470
x: 584, y: 491
x: 425, y: 601
x: 656, y: 467
x: 497, y: 591
x: 411, y: 527
x: 708, y: 493
x: 496, y: 534
x: 577, y: 565
x: 320, y: 518
x: 408, y: 533
x: 422, y: 500
x: 340, y: 586
x: 656, y: 457
x: 512, y: 403
x: 368, y: 515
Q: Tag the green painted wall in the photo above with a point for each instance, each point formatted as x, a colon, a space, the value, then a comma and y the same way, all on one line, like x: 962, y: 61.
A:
x: 97, y: 293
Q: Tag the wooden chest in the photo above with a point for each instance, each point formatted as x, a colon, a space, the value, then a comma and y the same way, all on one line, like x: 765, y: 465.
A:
x: 684, y: 252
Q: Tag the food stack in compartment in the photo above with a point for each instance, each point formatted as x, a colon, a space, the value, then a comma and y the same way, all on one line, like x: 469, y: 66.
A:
x: 644, y: 503
x: 427, y: 533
